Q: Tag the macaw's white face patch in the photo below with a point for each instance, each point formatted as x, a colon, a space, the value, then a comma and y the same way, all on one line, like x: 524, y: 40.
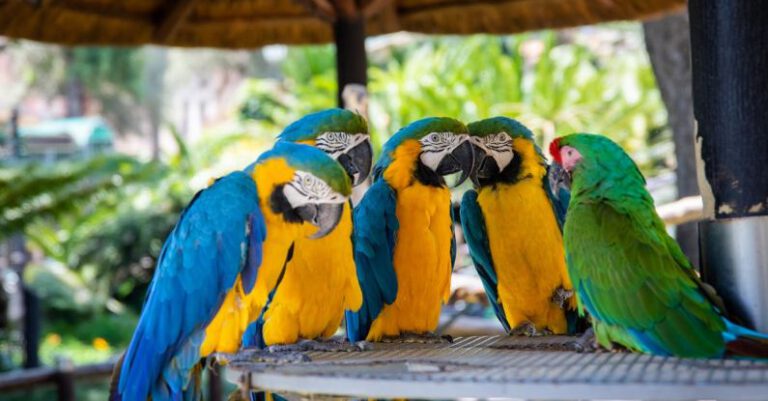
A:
x: 305, y: 188
x: 436, y: 145
x: 498, y: 146
x: 338, y: 143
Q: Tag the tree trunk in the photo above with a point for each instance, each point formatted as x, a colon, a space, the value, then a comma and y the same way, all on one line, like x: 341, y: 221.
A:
x: 75, y: 92
x: 668, y: 43
x: 154, y: 89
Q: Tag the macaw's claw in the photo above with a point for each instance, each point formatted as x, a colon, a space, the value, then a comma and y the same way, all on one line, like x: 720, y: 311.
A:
x: 419, y: 338
x: 561, y: 297
x: 527, y: 329
x: 586, y: 343
x: 329, y: 345
x: 219, y: 358
x: 255, y: 355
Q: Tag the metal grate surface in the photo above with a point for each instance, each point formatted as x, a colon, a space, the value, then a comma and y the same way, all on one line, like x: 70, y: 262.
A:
x: 514, y: 367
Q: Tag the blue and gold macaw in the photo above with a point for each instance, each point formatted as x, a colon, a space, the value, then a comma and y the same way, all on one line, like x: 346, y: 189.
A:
x: 403, y: 237
x: 320, y: 281
x: 513, y: 226
x: 225, y: 255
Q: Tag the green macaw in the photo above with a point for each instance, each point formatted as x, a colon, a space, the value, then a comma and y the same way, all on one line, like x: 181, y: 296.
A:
x: 629, y: 274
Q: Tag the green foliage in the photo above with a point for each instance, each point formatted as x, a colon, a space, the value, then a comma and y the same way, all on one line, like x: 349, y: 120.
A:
x: 554, y: 87
x: 108, y: 70
x: 101, y: 224
x: 116, y: 330
x: 555, y: 84
x: 309, y: 86
x: 31, y: 192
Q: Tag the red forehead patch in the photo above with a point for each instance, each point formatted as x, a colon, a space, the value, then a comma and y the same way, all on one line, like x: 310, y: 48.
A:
x: 554, y: 150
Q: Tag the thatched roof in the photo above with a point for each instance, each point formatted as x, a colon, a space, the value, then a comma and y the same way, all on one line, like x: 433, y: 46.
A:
x: 254, y: 23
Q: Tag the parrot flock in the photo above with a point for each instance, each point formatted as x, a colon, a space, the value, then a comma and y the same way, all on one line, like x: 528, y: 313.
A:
x: 275, y: 257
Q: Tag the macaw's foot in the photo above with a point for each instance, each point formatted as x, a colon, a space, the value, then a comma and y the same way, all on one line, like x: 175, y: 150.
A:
x: 561, y: 297
x: 545, y: 332
x: 587, y: 342
x: 255, y: 355
x: 527, y: 329
x: 419, y: 338
x: 219, y: 358
x: 329, y: 345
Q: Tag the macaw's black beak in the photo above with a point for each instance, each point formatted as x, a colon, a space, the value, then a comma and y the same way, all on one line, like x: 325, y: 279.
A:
x: 558, y: 179
x: 324, y: 216
x: 357, y: 162
x: 485, y: 166
x: 460, y: 159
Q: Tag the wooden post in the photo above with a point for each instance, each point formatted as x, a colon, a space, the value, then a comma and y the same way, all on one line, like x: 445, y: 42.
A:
x: 16, y: 144
x: 65, y: 380
x: 31, y: 329
x: 729, y: 54
x: 729, y: 48
x: 351, y: 60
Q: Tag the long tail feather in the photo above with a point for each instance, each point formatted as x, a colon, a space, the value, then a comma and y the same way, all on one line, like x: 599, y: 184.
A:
x: 742, y: 341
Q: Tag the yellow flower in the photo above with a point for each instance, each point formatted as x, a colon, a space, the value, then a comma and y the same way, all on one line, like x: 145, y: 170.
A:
x: 100, y: 344
x: 53, y: 339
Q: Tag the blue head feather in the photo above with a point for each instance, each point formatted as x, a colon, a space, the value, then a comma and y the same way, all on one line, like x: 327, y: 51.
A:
x: 331, y: 120
x: 416, y: 130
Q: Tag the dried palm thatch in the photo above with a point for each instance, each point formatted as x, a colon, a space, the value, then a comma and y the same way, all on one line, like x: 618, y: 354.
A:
x: 254, y: 23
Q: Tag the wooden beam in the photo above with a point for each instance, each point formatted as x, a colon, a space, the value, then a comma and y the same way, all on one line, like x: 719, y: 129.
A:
x: 9, y: 12
x: 173, y: 19
x: 346, y: 9
x: 322, y: 9
x: 374, y: 7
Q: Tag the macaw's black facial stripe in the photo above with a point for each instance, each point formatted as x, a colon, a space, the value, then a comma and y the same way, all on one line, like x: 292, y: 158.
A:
x: 329, y: 147
x: 427, y: 176
x: 300, y: 188
x: 500, y: 146
x: 510, y: 175
x: 435, y: 147
x: 280, y: 205
x: 333, y: 142
x: 500, y: 142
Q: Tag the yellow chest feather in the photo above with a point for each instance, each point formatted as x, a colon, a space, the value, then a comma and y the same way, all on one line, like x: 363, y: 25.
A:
x: 319, y: 283
x: 422, y: 261
x: 527, y: 251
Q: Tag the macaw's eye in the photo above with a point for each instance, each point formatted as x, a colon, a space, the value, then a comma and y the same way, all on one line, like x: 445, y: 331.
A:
x: 434, y: 137
x: 307, y: 182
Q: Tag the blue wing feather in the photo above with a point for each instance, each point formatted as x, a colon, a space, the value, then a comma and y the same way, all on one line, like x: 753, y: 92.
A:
x: 254, y: 333
x: 198, y: 265
x: 559, y: 197
x: 453, y: 238
x: 558, y: 200
x: 473, y: 225
x: 375, y: 230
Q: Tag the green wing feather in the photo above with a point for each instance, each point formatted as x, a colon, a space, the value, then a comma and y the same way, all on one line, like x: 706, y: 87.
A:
x: 637, y: 283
